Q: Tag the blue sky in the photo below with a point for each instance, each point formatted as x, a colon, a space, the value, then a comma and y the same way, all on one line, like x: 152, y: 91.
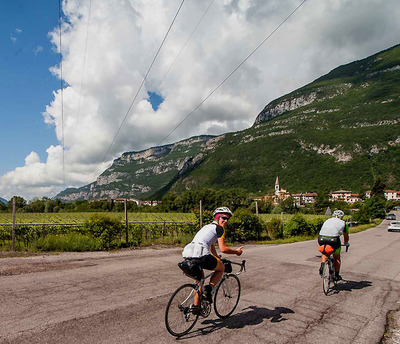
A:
x: 107, y: 49
x: 26, y: 84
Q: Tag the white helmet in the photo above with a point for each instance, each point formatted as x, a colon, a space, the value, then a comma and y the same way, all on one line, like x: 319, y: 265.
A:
x: 222, y: 210
x: 338, y: 213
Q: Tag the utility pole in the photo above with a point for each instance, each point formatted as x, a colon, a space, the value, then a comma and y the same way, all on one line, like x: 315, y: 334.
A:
x: 13, y: 223
x: 201, y: 215
x: 257, y: 208
x: 126, y: 222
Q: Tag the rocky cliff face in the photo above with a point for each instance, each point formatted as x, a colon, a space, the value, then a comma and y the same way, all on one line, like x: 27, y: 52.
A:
x: 141, y: 174
x: 275, y: 108
x: 342, y: 130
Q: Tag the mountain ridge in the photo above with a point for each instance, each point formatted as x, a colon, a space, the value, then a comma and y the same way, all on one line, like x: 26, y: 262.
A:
x: 339, y: 131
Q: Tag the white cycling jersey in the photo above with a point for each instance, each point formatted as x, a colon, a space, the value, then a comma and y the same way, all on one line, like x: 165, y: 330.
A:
x: 205, y: 237
x: 333, y: 227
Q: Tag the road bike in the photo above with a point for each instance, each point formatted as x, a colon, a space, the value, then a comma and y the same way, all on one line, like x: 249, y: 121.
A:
x: 328, y: 272
x: 180, y: 317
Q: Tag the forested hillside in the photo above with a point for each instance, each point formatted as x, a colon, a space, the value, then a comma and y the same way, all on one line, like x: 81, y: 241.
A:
x: 339, y: 132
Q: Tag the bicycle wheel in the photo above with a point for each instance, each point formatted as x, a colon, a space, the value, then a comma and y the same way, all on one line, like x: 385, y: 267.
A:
x: 326, y: 278
x: 179, y: 318
x: 227, y: 296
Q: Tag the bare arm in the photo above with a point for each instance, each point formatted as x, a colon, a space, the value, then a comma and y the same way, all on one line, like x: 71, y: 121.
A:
x: 227, y: 250
x: 346, y: 238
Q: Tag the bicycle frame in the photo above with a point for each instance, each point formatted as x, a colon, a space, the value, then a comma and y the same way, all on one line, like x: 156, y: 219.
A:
x: 200, y: 284
x: 180, y: 316
x: 331, y: 269
x: 242, y: 268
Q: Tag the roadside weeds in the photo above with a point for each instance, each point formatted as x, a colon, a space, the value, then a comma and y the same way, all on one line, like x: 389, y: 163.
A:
x: 392, y: 331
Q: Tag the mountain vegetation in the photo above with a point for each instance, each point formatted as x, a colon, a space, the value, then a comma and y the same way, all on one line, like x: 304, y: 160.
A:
x: 339, y: 132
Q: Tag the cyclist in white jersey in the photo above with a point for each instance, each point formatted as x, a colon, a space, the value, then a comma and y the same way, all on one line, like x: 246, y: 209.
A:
x: 330, y: 234
x: 202, y: 252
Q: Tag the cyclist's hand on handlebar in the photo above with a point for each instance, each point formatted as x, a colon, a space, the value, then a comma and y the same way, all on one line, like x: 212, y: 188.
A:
x: 239, y: 251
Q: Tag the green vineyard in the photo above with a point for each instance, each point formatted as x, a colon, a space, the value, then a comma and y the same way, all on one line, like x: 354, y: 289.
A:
x: 93, y: 231
x: 70, y: 218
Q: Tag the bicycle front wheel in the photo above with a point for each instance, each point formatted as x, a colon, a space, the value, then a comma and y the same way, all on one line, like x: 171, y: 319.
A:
x: 179, y: 318
x: 227, y: 296
x: 326, y: 278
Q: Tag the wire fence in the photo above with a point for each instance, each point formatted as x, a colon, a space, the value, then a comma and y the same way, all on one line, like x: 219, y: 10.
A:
x: 133, y: 233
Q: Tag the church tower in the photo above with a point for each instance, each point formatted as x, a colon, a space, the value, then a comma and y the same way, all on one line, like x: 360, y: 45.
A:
x: 277, y: 188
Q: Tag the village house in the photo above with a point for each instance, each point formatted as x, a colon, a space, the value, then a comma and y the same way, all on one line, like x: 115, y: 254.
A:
x: 137, y: 201
x: 355, y: 197
x: 390, y: 195
x: 340, y: 195
x: 300, y: 199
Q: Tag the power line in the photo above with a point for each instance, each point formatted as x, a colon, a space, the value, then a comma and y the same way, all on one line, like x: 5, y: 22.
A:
x: 176, y: 57
x: 187, y: 41
x: 141, y: 85
x: 231, y: 73
x: 62, y: 94
x: 84, y: 62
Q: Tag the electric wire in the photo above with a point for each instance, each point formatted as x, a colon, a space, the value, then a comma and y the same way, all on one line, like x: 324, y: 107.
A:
x: 187, y: 41
x: 231, y: 73
x: 84, y: 62
x: 174, y: 61
x: 61, y: 92
x: 140, y: 87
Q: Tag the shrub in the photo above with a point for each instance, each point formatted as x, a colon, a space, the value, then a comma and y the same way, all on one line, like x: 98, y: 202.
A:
x: 207, y: 216
x: 297, y: 225
x: 105, y: 228
x: 274, y: 229
x: 243, y: 226
x: 135, y: 234
x: 315, y: 226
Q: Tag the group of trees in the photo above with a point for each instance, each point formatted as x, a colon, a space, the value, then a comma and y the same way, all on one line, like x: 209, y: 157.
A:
x: 47, y: 205
x: 235, y: 198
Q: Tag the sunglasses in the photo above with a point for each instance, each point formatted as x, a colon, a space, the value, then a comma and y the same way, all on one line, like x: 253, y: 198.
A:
x: 225, y: 218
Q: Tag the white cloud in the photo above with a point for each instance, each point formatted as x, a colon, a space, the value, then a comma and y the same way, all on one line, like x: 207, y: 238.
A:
x: 38, y: 50
x: 122, y: 38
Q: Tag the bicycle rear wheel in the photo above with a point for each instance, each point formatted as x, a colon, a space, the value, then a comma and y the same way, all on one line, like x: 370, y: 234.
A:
x: 179, y: 318
x: 326, y: 278
x: 227, y: 296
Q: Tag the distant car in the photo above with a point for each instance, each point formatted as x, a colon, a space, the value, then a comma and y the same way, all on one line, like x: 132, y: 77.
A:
x: 390, y: 217
x: 394, y: 226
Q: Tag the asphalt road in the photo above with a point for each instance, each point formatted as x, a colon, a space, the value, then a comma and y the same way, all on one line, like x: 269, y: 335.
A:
x: 121, y: 297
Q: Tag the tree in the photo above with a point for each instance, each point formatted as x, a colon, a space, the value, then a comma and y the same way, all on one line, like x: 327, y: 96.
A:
x: 378, y: 189
x: 3, y: 207
x: 244, y: 226
x: 322, y: 201
x: 20, y: 203
x: 288, y: 206
x: 373, y: 208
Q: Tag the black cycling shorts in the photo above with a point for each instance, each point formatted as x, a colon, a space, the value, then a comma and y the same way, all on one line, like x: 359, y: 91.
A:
x: 208, y: 262
x: 334, y: 242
